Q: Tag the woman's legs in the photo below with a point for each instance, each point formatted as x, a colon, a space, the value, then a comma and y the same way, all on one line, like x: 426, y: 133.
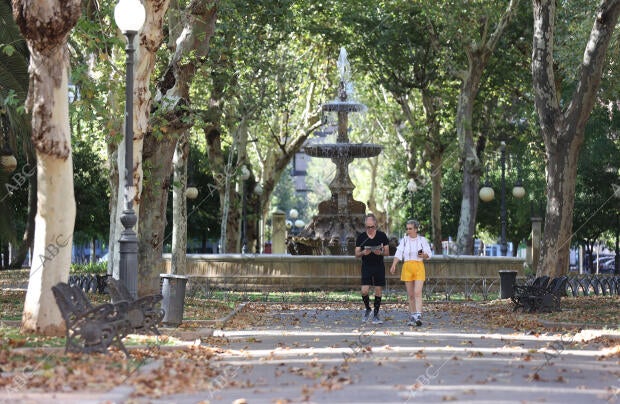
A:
x: 411, y: 296
x: 417, y: 291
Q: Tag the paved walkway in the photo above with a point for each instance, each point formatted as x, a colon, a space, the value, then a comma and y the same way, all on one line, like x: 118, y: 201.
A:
x: 325, y: 355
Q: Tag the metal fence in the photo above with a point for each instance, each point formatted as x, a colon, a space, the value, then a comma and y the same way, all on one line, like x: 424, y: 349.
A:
x: 434, y: 288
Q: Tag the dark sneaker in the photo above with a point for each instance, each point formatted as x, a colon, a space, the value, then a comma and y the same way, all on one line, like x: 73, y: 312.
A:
x: 412, y: 321
x: 418, y: 321
x: 376, y: 319
x: 366, y: 315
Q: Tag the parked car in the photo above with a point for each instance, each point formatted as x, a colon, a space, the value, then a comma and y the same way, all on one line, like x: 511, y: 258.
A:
x: 103, y: 259
x: 607, y: 265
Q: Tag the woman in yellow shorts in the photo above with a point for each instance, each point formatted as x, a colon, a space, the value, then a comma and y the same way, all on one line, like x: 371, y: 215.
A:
x: 412, y: 250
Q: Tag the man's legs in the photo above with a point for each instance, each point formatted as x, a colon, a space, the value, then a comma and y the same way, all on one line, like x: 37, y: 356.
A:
x: 366, y: 300
x: 378, y: 295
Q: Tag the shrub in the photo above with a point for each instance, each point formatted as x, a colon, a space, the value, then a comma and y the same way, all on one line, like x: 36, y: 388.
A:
x: 90, y: 268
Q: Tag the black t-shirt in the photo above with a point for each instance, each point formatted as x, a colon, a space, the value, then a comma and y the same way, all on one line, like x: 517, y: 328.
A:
x: 372, y: 260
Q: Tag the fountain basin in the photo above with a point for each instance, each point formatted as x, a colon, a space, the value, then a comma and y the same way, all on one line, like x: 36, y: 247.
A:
x: 343, y: 106
x: 332, y: 150
x: 304, y: 272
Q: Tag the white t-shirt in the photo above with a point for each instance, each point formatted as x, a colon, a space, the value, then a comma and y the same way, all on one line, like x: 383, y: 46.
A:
x: 408, y: 248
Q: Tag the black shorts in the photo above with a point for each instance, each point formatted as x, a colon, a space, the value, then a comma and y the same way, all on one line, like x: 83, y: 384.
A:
x: 373, y: 276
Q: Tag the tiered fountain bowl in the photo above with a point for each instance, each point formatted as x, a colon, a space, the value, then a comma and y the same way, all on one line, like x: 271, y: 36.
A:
x: 341, y: 218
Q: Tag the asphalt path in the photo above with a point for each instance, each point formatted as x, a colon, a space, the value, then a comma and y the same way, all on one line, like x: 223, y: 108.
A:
x: 325, y: 354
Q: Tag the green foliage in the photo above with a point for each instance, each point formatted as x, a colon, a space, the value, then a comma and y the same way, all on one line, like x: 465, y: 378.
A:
x: 203, y: 213
x: 596, y: 210
x: 270, y: 66
x: 92, y: 192
x: 89, y: 268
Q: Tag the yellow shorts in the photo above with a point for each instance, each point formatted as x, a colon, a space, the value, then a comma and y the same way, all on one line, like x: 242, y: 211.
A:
x: 413, y: 271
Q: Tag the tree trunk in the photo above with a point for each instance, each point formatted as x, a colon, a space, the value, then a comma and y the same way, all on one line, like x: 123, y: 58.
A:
x: 154, y: 200
x: 113, y: 179
x: 93, y: 250
x: 563, y: 129
x: 472, y: 168
x: 179, y: 205
x: 46, y: 25
x: 171, y: 105
x: 436, y: 178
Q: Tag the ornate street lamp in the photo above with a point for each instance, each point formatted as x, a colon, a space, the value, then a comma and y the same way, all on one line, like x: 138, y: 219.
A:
x: 487, y: 194
x: 294, y: 224
x: 191, y: 192
x: 299, y: 224
x: 293, y: 214
x: 412, y: 187
x: 8, y: 162
x: 503, y: 246
x: 129, y: 16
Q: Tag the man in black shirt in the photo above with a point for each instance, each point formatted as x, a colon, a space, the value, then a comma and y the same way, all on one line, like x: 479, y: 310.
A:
x: 371, y: 246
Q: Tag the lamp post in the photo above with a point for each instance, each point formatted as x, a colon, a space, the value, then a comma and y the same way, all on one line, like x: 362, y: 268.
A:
x: 502, y: 158
x: 487, y: 194
x: 299, y: 224
x: 412, y: 187
x: 245, y: 174
x: 258, y: 191
x: 129, y: 16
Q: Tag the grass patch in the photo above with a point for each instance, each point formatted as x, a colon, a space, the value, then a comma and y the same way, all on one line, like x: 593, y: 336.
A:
x: 12, y: 337
x: 344, y: 296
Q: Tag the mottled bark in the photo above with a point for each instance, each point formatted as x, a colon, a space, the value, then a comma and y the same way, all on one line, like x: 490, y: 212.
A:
x: 179, y: 206
x: 472, y: 168
x: 46, y: 26
x: 152, y: 226
x: 171, y: 106
x: 563, y: 128
x: 114, y: 236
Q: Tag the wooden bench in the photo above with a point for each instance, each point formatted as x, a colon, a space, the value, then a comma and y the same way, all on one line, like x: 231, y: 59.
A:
x: 541, y: 295
x: 143, y: 313
x: 90, y: 328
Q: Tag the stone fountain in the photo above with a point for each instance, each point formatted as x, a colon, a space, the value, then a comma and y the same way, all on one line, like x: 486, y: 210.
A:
x: 341, y: 218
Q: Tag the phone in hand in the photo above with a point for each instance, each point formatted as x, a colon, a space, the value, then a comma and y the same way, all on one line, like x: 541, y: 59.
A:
x: 420, y: 252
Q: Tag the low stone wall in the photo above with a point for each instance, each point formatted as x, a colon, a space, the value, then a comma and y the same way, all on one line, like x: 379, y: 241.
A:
x: 300, y: 272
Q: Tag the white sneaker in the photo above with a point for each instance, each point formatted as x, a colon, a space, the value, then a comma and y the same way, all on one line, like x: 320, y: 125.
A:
x: 376, y: 319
